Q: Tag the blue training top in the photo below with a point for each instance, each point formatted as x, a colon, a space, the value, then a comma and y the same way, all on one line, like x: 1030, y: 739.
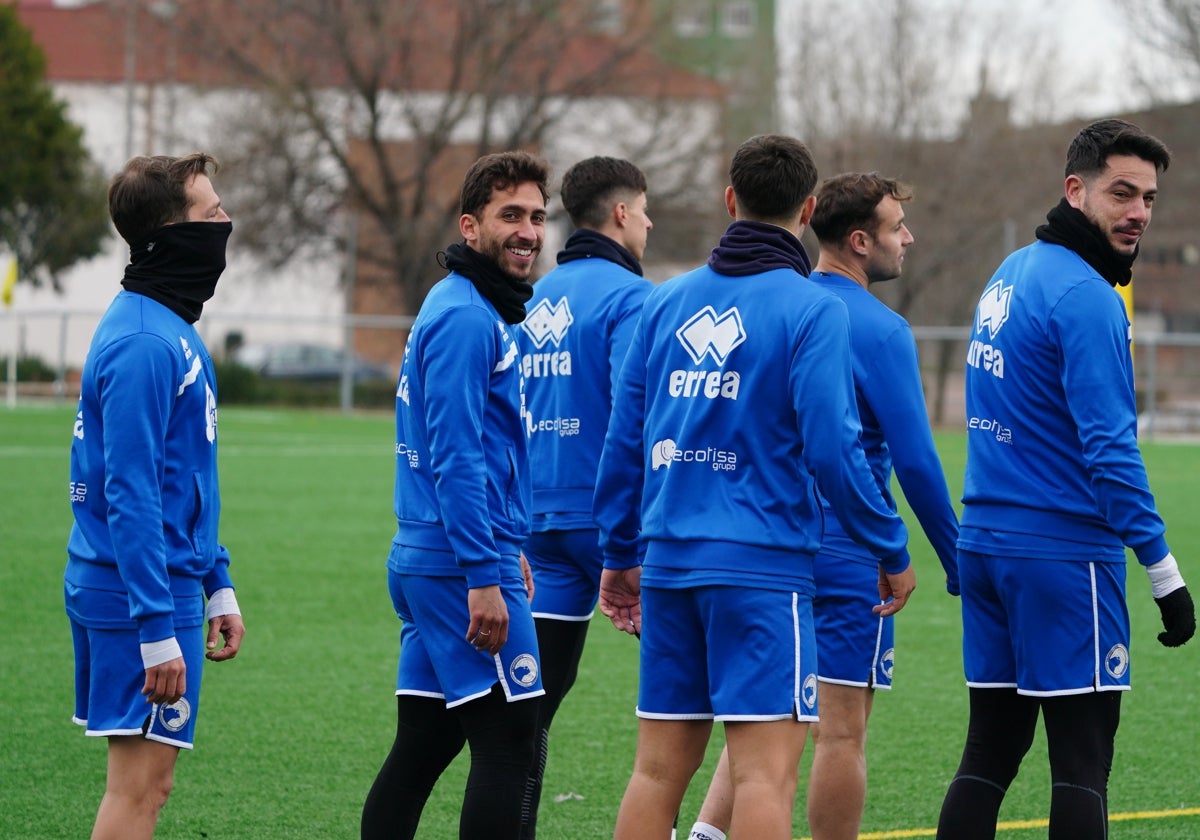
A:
x: 462, y: 475
x: 896, y: 432
x: 1053, y: 465
x: 573, y: 341
x: 144, y: 487
x: 736, y: 392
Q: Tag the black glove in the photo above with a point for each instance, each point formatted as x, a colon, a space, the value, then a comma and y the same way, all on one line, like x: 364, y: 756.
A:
x: 1178, y: 616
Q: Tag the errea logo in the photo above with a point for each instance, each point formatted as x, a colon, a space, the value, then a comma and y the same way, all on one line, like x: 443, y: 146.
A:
x: 708, y: 334
x: 990, y: 315
x: 546, y: 322
x: 992, y: 311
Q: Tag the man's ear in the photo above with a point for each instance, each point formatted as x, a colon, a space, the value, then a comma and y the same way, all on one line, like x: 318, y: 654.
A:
x: 620, y: 214
x: 858, y: 241
x: 731, y: 202
x: 810, y: 204
x: 1075, y: 190
x: 468, y: 226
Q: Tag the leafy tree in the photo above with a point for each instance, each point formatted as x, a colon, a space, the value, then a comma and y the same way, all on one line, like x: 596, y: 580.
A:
x: 52, y: 196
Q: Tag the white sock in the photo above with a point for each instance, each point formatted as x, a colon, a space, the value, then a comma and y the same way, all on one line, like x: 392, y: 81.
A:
x: 704, y: 831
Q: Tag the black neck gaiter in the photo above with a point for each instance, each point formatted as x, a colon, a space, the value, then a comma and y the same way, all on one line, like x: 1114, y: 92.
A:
x: 179, y: 265
x: 1069, y: 227
x: 505, y: 292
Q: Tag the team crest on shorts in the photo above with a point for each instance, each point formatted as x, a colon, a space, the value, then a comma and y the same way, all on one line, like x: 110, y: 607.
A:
x: 174, y: 716
x: 887, y: 662
x: 524, y: 670
x: 808, y: 692
x: 1117, y: 661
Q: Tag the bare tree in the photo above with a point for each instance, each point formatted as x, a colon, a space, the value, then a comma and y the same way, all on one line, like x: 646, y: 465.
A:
x: 373, y: 109
x: 1167, y: 64
x: 920, y: 91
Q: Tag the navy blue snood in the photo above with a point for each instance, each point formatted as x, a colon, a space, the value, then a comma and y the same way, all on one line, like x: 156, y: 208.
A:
x: 585, y: 243
x: 755, y: 247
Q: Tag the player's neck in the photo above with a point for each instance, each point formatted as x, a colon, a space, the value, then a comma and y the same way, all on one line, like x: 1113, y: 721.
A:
x: 830, y: 263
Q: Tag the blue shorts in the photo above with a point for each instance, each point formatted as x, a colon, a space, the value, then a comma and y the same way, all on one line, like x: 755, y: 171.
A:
x: 436, y: 660
x: 856, y: 647
x: 109, y: 677
x: 1045, y: 627
x: 727, y: 653
x: 566, y: 573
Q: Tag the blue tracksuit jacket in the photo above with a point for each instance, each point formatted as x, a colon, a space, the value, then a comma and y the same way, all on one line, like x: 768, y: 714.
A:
x: 573, y: 341
x: 462, y: 476
x: 143, y: 486
x: 737, y: 391
x: 896, y: 433
x: 1053, y: 465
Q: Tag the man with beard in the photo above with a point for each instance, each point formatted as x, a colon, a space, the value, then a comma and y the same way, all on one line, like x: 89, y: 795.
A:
x: 469, y: 669
x: 859, y: 222
x: 1054, y: 491
x: 573, y: 341
x: 143, y: 554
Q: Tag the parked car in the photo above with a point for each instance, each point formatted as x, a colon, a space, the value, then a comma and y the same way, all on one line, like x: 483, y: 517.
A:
x: 308, y: 362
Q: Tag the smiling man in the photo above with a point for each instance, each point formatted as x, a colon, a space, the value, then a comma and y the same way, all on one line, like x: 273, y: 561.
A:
x: 1055, y: 489
x: 469, y: 666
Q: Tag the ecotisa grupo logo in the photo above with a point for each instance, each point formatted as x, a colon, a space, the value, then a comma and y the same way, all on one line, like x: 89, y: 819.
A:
x: 665, y: 452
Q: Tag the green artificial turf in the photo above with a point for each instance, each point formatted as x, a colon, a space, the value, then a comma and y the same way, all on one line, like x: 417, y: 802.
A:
x: 292, y: 732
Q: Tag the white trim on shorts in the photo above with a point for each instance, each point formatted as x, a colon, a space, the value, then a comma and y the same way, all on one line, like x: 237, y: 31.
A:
x: 558, y: 617
x: 412, y: 692
x: 183, y: 745
x: 660, y: 716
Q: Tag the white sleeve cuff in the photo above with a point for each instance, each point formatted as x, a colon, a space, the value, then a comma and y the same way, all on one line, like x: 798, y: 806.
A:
x: 156, y: 653
x: 222, y: 602
x: 1164, y: 576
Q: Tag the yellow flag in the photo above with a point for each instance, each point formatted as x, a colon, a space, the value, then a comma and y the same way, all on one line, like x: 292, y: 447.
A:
x: 10, y: 282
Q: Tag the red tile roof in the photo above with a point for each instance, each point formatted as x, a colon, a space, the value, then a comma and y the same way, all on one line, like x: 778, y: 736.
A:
x: 88, y: 43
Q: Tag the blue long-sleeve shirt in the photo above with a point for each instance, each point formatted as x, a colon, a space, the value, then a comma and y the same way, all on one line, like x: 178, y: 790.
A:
x: 462, y: 477
x: 573, y: 341
x: 144, y: 490
x: 1053, y: 465
x: 735, y: 400
x: 895, y: 422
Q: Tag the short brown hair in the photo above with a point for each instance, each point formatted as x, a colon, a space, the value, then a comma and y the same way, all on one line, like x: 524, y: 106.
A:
x: 847, y: 202
x: 591, y: 187
x: 501, y: 171
x: 772, y: 176
x: 151, y: 191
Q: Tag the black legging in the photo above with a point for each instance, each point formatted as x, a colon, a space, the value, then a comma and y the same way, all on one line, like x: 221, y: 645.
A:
x: 1080, y: 729
x: 560, y: 646
x: 428, y: 737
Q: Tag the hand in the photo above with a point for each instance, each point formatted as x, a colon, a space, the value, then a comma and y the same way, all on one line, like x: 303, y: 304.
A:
x: 895, y: 587
x: 167, y: 682
x: 1178, y: 617
x: 229, y: 627
x: 527, y: 573
x: 621, y: 598
x: 488, y: 629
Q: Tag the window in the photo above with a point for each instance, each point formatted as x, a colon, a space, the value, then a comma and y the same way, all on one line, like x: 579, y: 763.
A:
x: 693, y: 18
x: 738, y: 18
x: 606, y: 17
